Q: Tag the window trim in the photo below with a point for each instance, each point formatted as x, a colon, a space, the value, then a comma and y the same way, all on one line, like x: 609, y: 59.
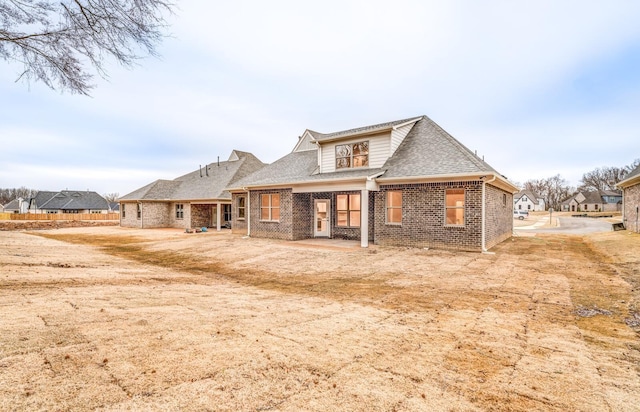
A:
x: 392, y: 207
x: 179, y: 211
x: 351, y: 155
x: 139, y: 211
x: 241, y: 213
x: 447, y: 208
x: 348, y: 210
x: 269, y: 207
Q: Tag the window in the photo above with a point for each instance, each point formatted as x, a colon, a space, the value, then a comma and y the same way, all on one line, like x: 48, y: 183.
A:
x: 519, y: 207
x: 394, y: 208
x: 179, y: 211
x: 270, y: 207
x: 241, y: 207
x: 123, y: 214
x: 139, y: 210
x: 226, y: 213
x: 529, y: 207
x: 352, y: 155
x: 454, y: 207
x: 596, y: 207
x: 504, y: 199
x: 348, y: 208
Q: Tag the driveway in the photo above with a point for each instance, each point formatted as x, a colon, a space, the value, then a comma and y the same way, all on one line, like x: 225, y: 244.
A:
x: 567, y: 225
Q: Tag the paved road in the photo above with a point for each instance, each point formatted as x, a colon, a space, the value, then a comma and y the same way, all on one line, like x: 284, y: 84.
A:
x: 570, y: 225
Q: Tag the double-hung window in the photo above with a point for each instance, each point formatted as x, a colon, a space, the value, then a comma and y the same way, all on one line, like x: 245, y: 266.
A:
x: 179, y: 211
x: 352, y: 155
x: 454, y: 207
x: 270, y: 207
x: 348, y: 210
x: 241, y: 207
x: 394, y: 207
x: 138, y: 210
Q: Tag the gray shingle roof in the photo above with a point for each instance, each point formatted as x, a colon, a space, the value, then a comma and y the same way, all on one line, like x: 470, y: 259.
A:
x: 630, y: 178
x: 532, y: 196
x: 207, y: 183
x: 427, y: 151
x: 320, y: 137
x: 70, y: 200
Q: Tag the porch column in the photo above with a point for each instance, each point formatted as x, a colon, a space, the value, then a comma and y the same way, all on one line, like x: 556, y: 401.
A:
x: 218, y: 213
x: 364, y: 218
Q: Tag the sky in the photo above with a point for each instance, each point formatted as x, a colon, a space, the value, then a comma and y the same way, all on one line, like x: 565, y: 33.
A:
x: 537, y: 88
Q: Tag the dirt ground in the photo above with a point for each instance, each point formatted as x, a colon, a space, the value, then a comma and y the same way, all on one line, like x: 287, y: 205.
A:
x: 109, y: 318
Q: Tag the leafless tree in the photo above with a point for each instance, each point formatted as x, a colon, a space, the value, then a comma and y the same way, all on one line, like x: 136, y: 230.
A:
x: 7, y: 195
x: 553, y: 190
x: 55, y: 41
x: 606, y: 178
x: 111, y: 197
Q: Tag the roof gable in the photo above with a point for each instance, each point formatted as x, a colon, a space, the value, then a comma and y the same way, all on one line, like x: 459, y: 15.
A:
x: 633, y: 178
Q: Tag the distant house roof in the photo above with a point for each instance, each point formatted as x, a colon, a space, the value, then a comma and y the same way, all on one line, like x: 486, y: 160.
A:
x: 593, y: 197
x: 12, y: 205
x: 532, y: 196
x: 69, y: 200
x: 206, y: 183
x: 426, y: 152
x: 633, y: 178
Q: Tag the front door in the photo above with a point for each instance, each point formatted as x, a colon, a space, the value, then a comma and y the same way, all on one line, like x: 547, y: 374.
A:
x: 321, y: 217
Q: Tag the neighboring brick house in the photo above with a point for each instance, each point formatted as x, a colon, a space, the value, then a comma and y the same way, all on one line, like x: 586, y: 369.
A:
x: 68, y: 201
x: 631, y: 200
x: 197, y: 199
x: 594, y: 201
x: 402, y: 183
x: 527, y: 200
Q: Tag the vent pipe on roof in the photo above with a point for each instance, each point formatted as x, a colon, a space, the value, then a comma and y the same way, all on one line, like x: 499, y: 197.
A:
x: 206, y: 169
x: 200, y: 167
x: 218, y: 161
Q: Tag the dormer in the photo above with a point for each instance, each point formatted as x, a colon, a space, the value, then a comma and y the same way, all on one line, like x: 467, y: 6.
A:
x: 365, y: 147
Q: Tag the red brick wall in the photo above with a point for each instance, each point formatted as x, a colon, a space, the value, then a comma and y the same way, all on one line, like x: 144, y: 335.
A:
x: 499, y: 216
x: 423, y: 217
x: 631, y: 203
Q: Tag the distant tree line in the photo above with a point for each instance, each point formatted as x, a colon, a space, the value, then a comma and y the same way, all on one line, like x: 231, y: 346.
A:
x: 554, y: 190
x: 7, y: 195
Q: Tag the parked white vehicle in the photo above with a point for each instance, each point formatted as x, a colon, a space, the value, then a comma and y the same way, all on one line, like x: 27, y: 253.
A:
x: 520, y: 214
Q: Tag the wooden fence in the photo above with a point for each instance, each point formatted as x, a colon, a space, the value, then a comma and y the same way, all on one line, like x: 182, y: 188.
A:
x: 59, y: 216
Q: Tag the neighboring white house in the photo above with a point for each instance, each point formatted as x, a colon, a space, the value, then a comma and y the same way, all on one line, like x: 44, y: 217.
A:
x: 527, y: 200
x: 18, y: 205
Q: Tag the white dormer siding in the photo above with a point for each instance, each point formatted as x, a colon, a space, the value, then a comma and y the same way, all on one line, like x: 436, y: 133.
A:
x: 379, y: 145
x: 305, y: 143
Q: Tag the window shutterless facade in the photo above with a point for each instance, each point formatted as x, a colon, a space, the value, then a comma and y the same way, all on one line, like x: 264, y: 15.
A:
x: 454, y: 207
x: 352, y: 155
x: 270, y: 207
x: 241, y: 207
x: 348, y: 210
x: 179, y: 211
x: 394, y: 208
x: 138, y: 210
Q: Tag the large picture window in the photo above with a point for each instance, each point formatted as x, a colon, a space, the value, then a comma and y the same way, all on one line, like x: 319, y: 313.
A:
x: 454, y: 207
x: 394, y: 208
x: 270, y: 207
x: 241, y: 207
x: 352, y: 155
x: 348, y: 210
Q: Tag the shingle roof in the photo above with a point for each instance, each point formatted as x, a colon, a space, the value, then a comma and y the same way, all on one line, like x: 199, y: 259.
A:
x: 320, y: 137
x: 427, y: 151
x: 12, y: 205
x: 70, y: 200
x: 209, y: 182
x: 632, y: 178
x: 532, y: 196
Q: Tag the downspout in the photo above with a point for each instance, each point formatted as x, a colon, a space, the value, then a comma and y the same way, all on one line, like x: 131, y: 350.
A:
x: 248, y: 211
x: 484, y: 218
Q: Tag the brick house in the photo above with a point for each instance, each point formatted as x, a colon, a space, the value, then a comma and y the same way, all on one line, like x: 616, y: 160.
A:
x: 197, y: 199
x: 631, y: 199
x: 594, y: 201
x: 401, y: 183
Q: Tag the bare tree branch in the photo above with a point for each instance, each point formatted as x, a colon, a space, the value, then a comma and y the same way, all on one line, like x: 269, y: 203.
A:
x: 56, y: 41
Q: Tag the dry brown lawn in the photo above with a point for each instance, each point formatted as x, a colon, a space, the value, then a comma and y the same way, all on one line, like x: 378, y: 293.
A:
x: 107, y: 318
